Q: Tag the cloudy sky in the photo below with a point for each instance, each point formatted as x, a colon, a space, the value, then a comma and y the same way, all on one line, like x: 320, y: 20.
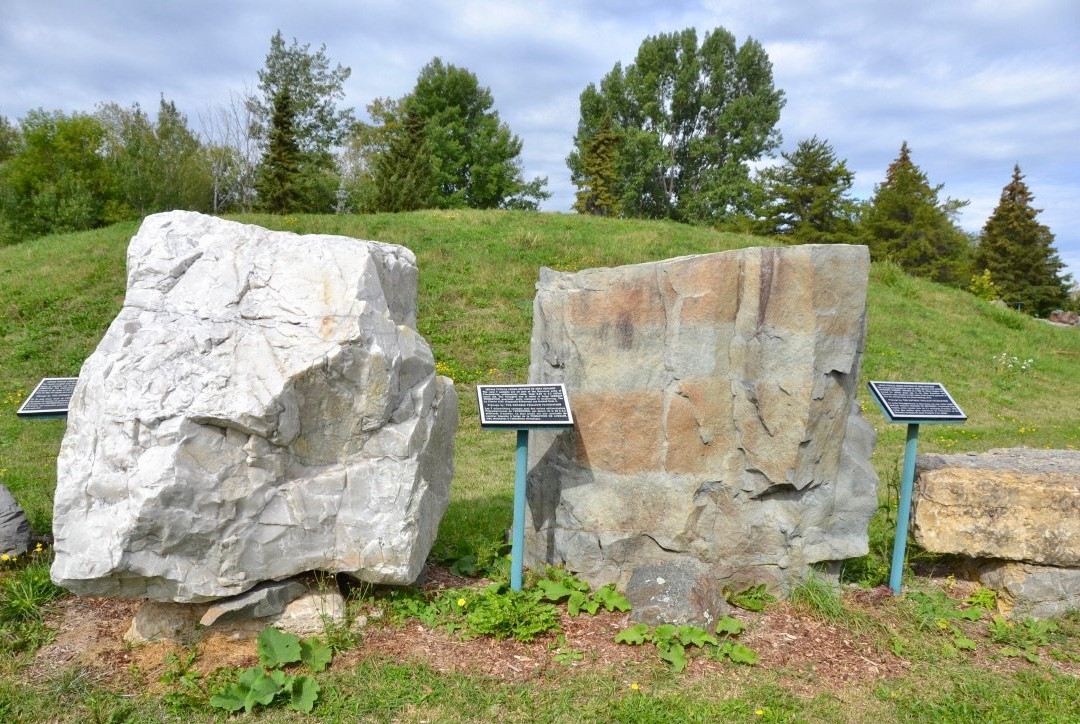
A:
x: 973, y: 86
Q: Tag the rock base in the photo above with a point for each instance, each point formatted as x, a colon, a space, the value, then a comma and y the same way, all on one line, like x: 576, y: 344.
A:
x: 14, y: 527
x: 308, y: 614
x: 1026, y: 590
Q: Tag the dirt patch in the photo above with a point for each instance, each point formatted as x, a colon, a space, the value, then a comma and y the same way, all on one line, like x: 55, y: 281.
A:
x: 816, y: 656
x: 91, y: 636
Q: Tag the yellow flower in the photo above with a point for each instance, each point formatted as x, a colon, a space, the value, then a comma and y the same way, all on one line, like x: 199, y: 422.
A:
x: 634, y: 686
x: 461, y: 602
x: 5, y: 557
x: 759, y: 712
x: 37, y: 548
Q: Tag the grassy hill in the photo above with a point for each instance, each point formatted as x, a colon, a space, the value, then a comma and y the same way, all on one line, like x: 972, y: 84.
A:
x: 477, y: 275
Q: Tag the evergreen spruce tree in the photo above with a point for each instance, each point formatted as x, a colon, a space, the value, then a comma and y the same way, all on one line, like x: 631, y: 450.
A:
x: 907, y: 223
x: 596, y: 189
x: 1019, y: 253
x: 276, y: 182
x: 807, y: 196
x: 402, y: 176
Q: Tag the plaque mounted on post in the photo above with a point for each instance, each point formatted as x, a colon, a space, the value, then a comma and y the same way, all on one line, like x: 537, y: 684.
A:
x: 524, y: 406
x: 913, y: 404
x: 922, y: 402
x: 50, y: 398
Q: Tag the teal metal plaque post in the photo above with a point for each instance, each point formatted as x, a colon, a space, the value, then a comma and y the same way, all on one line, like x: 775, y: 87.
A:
x: 522, y: 408
x: 914, y: 404
x: 903, y: 513
x: 517, y: 544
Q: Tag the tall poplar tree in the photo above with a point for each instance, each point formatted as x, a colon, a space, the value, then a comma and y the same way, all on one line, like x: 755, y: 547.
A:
x: 906, y: 222
x: 1019, y: 252
x: 689, y: 118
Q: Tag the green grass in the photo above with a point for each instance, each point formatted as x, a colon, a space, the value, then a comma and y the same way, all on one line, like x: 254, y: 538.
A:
x: 477, y: 275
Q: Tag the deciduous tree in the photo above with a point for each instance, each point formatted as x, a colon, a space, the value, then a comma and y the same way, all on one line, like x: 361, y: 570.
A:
x: 154, y: 166
x: 688, y: 119
x: 315, y: 89
x: 231, y: 153
x: 807, y: 196
x: 9, y: 139
x: 1019, y: 253
x: 57, y: 180
x: 906, y: 222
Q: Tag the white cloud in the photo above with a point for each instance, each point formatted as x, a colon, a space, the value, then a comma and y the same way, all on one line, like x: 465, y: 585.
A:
x: 973, y: 85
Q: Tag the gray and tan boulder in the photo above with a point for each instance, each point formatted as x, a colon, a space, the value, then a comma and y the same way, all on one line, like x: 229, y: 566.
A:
x: 717, y: 425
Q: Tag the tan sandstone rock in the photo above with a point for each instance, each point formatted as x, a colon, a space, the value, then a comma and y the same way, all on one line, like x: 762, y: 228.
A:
x: 1015, y: 504
x: 717, y: 426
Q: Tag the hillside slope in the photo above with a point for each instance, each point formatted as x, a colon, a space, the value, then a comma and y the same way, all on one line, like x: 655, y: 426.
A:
x: 477, y: 276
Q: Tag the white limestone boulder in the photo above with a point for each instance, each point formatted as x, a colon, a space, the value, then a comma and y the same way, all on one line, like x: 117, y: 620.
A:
x: 262, y: 406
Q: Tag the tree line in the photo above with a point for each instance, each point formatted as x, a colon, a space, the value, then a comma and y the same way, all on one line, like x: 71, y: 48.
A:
x: 675, y: 134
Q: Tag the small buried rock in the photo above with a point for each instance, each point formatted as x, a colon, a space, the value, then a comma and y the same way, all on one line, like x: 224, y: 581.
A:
x: 14, y: 527
x: 676, y: 593
x: 306, y: 614
x: 269, y: 598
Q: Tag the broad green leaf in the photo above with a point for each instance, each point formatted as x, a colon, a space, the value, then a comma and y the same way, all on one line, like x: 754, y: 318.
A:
x: 664, y: 633
x: 1010, y: 651
x: 971, y: 614
x: 465, y: 566
x: 232, y: 698
x: 315, y: 654
x: 695, y: 636
x: 591, y: 606
x: 576, y: 602
x: 253, y: 686
x: 674, y: 654
x: 963, y: 642
x: 635, y: 635
x: 554, y: 590
x: 729, y: 626
x: 303, y: 693
x: 741, y: 654
x: 611, y: 599
x: 277, y: 648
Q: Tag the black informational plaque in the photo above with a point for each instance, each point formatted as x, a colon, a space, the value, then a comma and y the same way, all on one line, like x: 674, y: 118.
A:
x: 916, y: 402
x: 524, y: 406
x: 50, y: 398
